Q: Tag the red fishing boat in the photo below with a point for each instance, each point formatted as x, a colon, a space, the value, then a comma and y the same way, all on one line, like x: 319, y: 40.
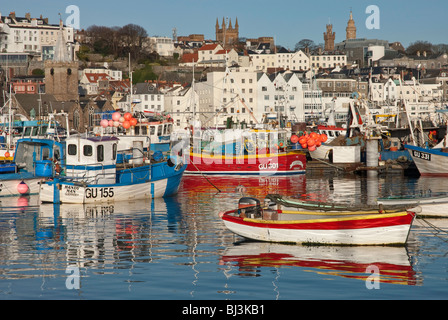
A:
x: 246, y: 152
x: 252, y: 221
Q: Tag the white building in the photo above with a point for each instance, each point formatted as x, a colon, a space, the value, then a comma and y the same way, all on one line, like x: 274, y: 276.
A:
x: 326, y: 60
x: 32, y: 35
x: 261, y: 62
x: 180, y: 103
x: 213, y: 55
x: 281, y: 93
x: 224, y: 95
x: 114, y: 75
x: 164, y: 46
x: 410, y: 91
x: 145, y: 98
x: 252, y: 96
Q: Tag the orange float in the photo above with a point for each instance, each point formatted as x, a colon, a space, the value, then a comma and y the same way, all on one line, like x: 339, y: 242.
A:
x: 126, y: 124
x: 133, y: 121
x: 294, y: 138
x: 311, y: 142
x: 323, y: 137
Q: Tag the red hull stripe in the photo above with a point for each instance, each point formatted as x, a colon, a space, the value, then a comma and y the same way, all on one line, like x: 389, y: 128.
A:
x: 333, y: 224
x: 286, y: 162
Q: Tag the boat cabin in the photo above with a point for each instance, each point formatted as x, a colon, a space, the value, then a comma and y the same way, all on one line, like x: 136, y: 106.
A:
x: 91, y: 159
x: 38, y: 156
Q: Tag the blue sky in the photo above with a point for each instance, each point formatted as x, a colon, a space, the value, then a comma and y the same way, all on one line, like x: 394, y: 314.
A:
x: 288, y: 21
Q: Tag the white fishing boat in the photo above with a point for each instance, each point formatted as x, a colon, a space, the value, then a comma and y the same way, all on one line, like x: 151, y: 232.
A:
x: 426, y: 205
x: 91, y: 174
x: 430, y: 161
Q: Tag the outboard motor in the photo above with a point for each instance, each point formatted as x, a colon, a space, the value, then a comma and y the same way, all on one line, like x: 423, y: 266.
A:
x: 249, y: 207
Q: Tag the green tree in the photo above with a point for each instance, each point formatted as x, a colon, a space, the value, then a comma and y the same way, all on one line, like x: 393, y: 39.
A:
x: 145, y: 73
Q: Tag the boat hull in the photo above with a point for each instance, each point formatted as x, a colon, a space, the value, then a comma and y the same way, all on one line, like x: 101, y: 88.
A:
x: 9, y: 187
x: 377, y: 229
x: 163, y: 184
x: 429, y: 162
x: 293, y: 162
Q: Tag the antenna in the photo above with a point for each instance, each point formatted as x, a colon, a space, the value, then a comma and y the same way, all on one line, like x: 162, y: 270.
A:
x: 174, y: 34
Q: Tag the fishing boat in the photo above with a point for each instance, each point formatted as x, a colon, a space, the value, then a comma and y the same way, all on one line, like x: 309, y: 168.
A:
x: 430, y: 161
x: 246, y: 152
x: 34, y: 161
x: 252, y: 221
x: 91, y: 174
x: 425, y: 205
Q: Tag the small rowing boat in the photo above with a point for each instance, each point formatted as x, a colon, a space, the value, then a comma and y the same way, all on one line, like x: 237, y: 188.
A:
x: 252, y: 221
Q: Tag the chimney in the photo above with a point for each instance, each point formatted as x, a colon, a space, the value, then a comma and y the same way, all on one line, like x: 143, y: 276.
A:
x: 28, y: 16
x: 12, y: 15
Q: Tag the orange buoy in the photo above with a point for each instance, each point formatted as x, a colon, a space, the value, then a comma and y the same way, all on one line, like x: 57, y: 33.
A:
x: 311, y: 142
x: 294, y: 138
x: 126, y: 124
x: 323, y: 137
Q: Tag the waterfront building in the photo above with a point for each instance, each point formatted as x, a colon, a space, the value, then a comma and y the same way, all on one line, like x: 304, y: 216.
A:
x: 35, y: 36
x: 180, y: 103
x: 327, y: 60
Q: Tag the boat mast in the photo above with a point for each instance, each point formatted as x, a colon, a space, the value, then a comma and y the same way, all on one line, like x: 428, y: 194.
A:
x: 407, y: 113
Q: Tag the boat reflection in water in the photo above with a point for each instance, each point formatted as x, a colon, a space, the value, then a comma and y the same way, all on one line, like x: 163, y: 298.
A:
x: 93, y: 234
x: 391, y: 264
x: 24, y: 201
x: 250, y: 185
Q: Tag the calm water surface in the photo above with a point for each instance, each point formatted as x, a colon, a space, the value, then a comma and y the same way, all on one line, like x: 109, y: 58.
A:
x: 179, y: 249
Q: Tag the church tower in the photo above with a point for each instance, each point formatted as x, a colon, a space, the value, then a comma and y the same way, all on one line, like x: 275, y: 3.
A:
x: 227, y: 35
x: 61, y: 73
x: 329, y: 37
x: 351, y: 29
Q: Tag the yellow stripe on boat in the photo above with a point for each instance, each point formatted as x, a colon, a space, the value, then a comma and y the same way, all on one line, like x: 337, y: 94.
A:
x: 336, y: 213
x: 372, y: 216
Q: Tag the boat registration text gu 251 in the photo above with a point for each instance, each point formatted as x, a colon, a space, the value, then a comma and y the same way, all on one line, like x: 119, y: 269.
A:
x: 103, y: 192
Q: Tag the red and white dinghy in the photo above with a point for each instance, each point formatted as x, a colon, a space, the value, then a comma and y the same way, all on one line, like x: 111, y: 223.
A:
x: 251, y: 221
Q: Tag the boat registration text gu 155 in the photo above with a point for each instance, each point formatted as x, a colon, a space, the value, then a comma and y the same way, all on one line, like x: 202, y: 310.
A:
x: 105, y: 192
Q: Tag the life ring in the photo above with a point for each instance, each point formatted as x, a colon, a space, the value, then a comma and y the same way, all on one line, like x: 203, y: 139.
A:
x: 249, y: 146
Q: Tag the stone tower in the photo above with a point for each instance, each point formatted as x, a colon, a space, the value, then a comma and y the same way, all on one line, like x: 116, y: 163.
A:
x: 351, y: 29
x: 227, y: 35
x: 61, y: 73
x: 329, y: 37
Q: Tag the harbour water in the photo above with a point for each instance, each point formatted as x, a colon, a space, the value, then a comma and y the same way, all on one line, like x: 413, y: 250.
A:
x: 178, y: 248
